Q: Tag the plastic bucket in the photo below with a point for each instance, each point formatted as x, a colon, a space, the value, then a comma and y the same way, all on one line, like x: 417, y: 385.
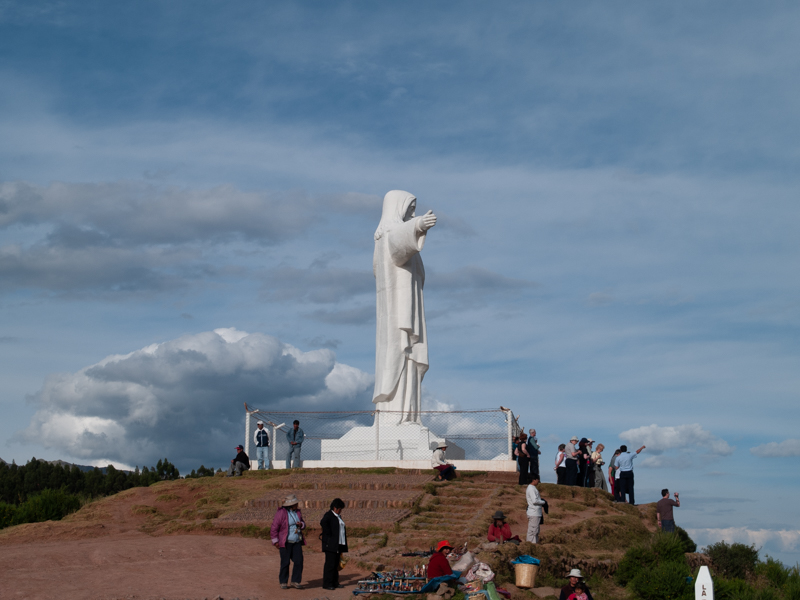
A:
x: 526, y: 575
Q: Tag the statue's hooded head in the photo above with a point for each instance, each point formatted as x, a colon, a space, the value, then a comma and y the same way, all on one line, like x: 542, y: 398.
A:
x: 398, y: 206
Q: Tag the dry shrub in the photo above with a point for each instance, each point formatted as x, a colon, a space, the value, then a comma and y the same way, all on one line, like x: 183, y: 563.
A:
x: 143, y: 509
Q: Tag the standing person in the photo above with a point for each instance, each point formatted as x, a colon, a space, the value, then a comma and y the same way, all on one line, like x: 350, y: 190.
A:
x: 261, y: 438
x: 664, y: 511
x: 625, y: 466
x: 524, y: 459
x: 239, y: 464
x: 334, y: 542
x: 295, y: 437
x: 287, y: 536
x: 597, y: 460
x: 514, y: 452
x: 560, y: 468
x: 534, y: 450
x: 612, y: 475
x: 438, y: 462
x: 575, y: 578
x: 588, y: 480
x: 534, y: 511
x: 572, y: 461
x: 583, y: 454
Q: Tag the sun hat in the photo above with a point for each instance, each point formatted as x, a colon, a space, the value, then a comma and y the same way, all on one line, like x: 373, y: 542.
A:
x: 498, y: 515
x: 590, y: 441
x: 574, y: 438
x: 441, y: 445
x: 291, y: 500
x: 575, y: 573
x: 442, y: 545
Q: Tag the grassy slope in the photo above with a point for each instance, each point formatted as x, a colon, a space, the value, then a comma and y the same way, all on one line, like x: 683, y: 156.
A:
x: 584, y: 528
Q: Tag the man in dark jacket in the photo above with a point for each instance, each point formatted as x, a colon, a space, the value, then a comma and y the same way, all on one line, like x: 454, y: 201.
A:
x: 261, y: 438
x: 334, y: 542
x: 239, y: 464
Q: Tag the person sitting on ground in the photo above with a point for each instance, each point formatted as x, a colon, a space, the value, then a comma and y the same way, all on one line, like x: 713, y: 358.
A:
x: 438, y: 565
x: 575, y: 578
x: 446, y: 470
x: 499, y: 530
x: 239, y: 464
x: 579, y: 593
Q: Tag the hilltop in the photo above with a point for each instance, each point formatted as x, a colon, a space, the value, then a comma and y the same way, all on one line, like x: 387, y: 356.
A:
x: 210, y: 536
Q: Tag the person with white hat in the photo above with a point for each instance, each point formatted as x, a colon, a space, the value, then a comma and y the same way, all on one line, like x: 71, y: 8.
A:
x: 572, y: 453
x: 574, y: 577
x: 446, y: 470
x: 287, y: 536
x: 261, y: 438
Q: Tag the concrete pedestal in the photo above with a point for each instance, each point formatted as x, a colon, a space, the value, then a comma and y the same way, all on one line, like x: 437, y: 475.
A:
x: 388, y: 441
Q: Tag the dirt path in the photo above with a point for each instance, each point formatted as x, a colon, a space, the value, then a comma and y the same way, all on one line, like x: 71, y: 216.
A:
x: 135, y: 565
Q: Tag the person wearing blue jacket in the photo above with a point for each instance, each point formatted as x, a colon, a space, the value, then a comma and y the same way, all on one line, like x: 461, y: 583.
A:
x: 295, y: 437
x: 261, y: 439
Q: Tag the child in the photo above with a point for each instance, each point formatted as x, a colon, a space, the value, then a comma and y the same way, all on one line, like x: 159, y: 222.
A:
x: 579, y: 593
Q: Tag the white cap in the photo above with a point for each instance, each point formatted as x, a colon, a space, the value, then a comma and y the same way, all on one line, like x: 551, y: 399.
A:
x: 260, y: 423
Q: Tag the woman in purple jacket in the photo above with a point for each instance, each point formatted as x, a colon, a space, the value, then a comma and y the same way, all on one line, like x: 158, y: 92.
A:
x: 287, y: 536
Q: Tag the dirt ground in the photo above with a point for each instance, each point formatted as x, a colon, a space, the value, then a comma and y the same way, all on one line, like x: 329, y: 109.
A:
x: 168, y: 540
x: 136, y: 565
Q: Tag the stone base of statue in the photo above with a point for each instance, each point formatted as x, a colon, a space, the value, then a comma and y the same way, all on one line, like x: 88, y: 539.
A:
x: 388, y: 441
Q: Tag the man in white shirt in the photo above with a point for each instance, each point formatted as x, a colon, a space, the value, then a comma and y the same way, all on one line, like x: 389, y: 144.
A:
x: 625, y: 470
x: 534, y: 511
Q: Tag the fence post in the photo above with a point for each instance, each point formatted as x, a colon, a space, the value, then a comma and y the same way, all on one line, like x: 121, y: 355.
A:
x: 377, y: 434
x: 247, y: 433
x: 274, y: 444
x: 509, y: 419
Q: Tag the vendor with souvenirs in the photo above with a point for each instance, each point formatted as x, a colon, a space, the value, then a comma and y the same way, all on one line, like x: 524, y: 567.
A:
x: 438, y: 565
x: 500, y: 531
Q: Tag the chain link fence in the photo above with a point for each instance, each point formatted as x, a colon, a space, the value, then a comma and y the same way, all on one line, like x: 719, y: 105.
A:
x: 368, y: 435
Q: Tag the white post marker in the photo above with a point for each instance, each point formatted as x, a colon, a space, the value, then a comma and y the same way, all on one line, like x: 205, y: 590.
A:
x: 275, y: 429
x: 704, y: 586
x: 247, y: 435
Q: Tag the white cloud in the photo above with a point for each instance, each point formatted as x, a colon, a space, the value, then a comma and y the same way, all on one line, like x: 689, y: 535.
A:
x: 687, y: 440
x: 786, y: 448
x: 183, y: 399
x: 774, y: 540
x: 660, y: 439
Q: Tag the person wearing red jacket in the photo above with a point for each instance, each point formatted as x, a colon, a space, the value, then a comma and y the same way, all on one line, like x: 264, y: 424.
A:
x: 499, y: 530
x: 438, y: 564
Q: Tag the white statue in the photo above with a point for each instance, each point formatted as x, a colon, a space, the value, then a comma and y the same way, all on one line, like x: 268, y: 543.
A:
x: 401, y: 340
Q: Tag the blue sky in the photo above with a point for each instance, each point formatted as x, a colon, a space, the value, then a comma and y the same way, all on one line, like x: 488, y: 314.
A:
x: 616, y: 254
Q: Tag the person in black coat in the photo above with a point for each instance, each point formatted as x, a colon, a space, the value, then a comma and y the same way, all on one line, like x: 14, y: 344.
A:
x: 334, y: 542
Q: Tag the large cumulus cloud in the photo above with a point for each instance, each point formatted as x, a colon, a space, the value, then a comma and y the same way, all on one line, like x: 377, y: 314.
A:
x: 183, y: 399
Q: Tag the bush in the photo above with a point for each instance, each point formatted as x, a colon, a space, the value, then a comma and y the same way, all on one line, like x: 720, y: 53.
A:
x: 688, y: 543
x: 49, y: 505
x: 733, y: 589
x: 661, y: 549
x: 773, y: 571
x: 665, y: 581
x: 8, y: 512
x: 734, y: 561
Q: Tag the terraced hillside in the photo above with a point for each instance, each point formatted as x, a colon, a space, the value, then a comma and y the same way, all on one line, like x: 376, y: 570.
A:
x: 389, y: 513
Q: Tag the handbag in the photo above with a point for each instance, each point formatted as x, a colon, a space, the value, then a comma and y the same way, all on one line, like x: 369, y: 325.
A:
x: 342, y: 560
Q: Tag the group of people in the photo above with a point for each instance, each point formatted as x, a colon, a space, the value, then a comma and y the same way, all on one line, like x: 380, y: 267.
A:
x: 579, y: 464
x: 295, y: 437
x: 287, y: 536
x: 526, y: 452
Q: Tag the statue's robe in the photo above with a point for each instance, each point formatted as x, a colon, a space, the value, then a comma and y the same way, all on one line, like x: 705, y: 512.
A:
x: 401, y: 340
